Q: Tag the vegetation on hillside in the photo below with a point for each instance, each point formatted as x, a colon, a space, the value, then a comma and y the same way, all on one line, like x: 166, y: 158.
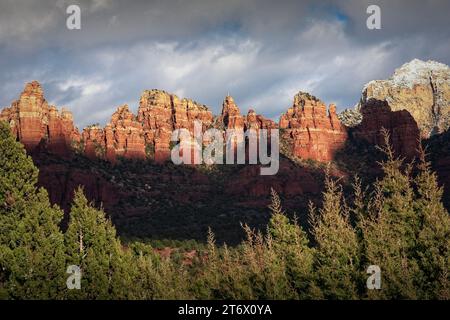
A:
x: 401, y: 226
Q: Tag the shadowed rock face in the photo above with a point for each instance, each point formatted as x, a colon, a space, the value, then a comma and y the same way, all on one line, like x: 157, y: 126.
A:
x: 313, y: 132
x: 438, y: 153
x: 442, y: 167
x: 403, y: 130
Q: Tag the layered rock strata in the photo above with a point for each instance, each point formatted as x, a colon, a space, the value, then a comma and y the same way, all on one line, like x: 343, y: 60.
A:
x: 314, y: 132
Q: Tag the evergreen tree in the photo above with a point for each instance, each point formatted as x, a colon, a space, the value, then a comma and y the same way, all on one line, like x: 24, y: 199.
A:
x: 160, y: 278
x: 222, y: 273
x: 337, y: 254
x: 433, y: 238
x: 266, y: 272
x: 390, y: 229
x: 290, y: 243
x: 31, y: 244
x: 92, y: 245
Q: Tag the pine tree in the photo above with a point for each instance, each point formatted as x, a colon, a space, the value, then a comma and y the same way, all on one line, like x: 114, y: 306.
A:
x: 337, y: 255
x: 290, y: 243
x: 31, y: 244
x: 222, y: 273
x: 390, y: 229
x: 433, y: 238
x: 159, y: 278
x: 266, y: 272
x: 92, y: 245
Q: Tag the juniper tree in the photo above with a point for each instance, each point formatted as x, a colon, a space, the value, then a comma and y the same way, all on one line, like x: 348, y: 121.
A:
x: 390, y: 229
x: 92, y: 245
x: 160, y: 278
x: 31, y: 243
x: 336, y: 262
x: 291, y: 244
x: 433, y: 238
x: 266, y: 272
x: 222, y: 273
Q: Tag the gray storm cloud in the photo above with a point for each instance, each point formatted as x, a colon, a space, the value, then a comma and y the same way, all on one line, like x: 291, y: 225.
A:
x: 262, y: 52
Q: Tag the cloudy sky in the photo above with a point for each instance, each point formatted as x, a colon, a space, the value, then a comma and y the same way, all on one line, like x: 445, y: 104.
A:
x: 261, y: 52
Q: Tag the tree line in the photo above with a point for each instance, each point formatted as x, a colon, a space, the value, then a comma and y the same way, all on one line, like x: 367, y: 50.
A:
x: 399, y: 224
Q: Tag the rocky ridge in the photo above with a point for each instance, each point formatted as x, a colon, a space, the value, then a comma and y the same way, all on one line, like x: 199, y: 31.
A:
x: 311, y: 130
x: 140, y: 196
x: 314, y: 133
x: 351, y: 117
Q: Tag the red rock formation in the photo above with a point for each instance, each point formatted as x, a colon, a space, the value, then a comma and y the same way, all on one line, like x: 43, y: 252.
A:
x: 122, y: 137
x: 231, y: 117
x: 61, y: 180
x: 34, y: 122
x: 160, y: 113
x: 93, y: 138
x: 256, y: 121
x: 127, y: 133
x: 402, y: 127
x: 313, y: 133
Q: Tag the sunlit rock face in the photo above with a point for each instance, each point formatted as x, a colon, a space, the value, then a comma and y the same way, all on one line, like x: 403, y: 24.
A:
x: 123, y: 136
x: 421, y: 88
x: 313, y: 131
x: 160, y: 113
x: 36, y: 123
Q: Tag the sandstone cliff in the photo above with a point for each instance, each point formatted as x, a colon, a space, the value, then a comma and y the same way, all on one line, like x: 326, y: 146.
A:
x: 313, y: 132
x: 403, y: 130
x: 123, y: 136
x: 422, y: 88
x: 231, y: 118
x: 160, y: 113
x: 36, y: 123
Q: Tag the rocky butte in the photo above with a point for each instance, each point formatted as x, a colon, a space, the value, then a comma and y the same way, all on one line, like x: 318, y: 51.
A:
x: 122, y: 136
x: 422, y: 88
x: 147, y: 135
x: 36, y: 123
x: 160, y: 113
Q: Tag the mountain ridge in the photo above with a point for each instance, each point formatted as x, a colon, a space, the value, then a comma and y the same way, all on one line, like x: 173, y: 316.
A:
x: 123, y: 166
